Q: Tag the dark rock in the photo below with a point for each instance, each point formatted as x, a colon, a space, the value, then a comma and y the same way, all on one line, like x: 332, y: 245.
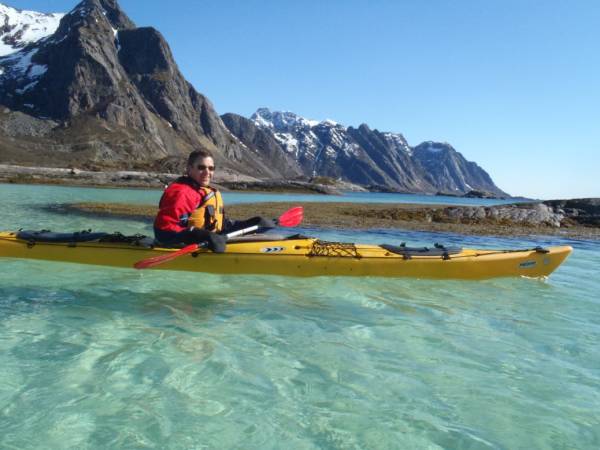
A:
x: 531, y: 214
x: 389, y: 160
x: 447, y: 194
x: 582, y: 211
x: 264, y: 146
x: 479, y: 194
x: 449, y: 171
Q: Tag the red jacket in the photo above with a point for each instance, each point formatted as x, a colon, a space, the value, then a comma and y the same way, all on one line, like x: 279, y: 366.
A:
x: 177, y: 203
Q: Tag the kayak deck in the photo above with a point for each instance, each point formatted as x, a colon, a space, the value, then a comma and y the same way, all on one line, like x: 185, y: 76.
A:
x: 295, y: 256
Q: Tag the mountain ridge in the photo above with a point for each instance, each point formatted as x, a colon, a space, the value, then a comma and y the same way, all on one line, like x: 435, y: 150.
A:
x: 367, y: 157
x: 98, y: 92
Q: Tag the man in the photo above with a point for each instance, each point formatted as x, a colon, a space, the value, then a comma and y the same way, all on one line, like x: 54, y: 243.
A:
x: 192, y: 211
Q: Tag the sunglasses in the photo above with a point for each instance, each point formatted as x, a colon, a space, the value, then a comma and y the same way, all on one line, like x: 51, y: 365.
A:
x: 202, y: 167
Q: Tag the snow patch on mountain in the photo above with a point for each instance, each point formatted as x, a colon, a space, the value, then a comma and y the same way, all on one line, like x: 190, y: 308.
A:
x: 289, y: 143
x: 398, y: 141
x: 434, y: 147
x: 20, y: 66
x: 18, y: 28
x: 26, y: 87
x: 281, y: 120
x: 116, y: 35
x: 300, y: 137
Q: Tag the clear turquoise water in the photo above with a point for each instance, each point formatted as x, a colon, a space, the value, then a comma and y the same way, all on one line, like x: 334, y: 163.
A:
x: 94, y: 357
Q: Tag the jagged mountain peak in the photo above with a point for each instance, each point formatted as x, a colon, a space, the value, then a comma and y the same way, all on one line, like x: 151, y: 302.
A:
x: 287, y: 121
x: 88, y: 31
x: 97, y: 62
x: 19, y: 28
x: 108, y: 8
x: 116, y: 15
x: 94, y: 20
x: 43, y: 77
x: 331, y: 123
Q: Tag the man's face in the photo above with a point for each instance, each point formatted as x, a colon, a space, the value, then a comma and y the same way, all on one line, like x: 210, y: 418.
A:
x: 202, y: 170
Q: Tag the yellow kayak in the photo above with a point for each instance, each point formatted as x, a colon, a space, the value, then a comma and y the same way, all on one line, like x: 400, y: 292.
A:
x: 291, y: 256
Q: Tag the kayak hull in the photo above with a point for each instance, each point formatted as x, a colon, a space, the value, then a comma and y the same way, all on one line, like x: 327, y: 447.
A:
x: 296, y: 257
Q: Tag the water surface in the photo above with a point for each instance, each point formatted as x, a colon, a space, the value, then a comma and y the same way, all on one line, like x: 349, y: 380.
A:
x: 94, y: 357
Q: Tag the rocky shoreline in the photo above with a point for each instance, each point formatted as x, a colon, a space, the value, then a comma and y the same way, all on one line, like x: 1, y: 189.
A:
x: 224, y: 180
x: 505, y: 220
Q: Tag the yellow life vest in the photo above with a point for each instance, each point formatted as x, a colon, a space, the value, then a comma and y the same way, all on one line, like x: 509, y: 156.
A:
x: 209, y: 214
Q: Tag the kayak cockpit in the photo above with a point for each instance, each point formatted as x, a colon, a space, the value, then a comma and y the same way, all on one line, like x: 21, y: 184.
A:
x: 140, y: 240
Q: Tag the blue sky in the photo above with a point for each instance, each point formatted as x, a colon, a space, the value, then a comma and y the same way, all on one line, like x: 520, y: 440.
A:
x: 512, y: 84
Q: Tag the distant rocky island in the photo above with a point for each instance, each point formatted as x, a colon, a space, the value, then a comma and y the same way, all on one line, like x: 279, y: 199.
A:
x: 90, y: 92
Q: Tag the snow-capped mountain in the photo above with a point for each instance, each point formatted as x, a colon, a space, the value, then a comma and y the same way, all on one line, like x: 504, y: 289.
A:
x: 89, y: 89
x: 309, y: 140
x: 364, y: 156
x: 19, y: 28
x: 100, y: 92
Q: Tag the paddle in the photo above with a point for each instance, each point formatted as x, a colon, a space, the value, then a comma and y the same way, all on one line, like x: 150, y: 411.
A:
x: 290, y: 218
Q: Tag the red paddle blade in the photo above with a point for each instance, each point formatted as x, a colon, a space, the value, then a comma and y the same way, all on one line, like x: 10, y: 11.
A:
x: 291, y: 217
x: 156, y: 260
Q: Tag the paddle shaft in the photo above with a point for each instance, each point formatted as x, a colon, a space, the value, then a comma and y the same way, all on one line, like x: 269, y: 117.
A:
x: 290, y: 218
x: 228, y: 236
